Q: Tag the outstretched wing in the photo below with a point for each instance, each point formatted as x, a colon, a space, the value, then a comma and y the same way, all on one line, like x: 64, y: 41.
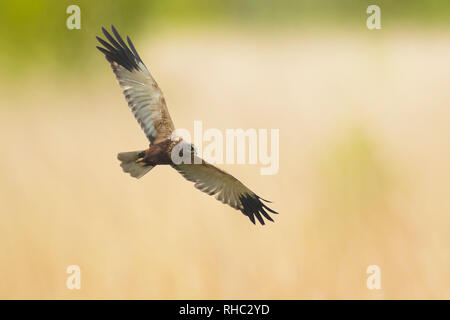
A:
x: 141, y: 91
x: 226, y: 188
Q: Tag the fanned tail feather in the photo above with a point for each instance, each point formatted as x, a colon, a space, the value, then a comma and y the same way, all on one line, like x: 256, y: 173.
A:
x: 129, y: 163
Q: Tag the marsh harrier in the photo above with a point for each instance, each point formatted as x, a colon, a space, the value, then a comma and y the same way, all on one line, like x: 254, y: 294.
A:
x: 147, y: 103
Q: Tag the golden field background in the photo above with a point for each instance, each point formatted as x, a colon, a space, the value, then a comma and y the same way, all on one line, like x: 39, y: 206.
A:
x: 364, y: 171
x: 364, y: 175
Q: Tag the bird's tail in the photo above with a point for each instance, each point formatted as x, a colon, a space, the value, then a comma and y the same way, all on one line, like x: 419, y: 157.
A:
x: 129, y: 161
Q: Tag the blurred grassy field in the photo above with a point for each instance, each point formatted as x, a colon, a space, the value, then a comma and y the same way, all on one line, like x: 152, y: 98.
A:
x: 364, y: 174
x: 364, y: 156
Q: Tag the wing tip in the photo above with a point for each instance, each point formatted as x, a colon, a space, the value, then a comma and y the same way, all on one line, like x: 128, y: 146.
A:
x: 116, y: 50
x: 253, y: 207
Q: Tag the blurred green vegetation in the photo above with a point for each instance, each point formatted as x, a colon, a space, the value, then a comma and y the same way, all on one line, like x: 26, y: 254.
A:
x: 356, y: 186
x: 354, y: 176
x: 34, y: 33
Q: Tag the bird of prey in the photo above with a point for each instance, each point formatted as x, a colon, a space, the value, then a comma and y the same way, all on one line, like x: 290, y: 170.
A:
x: 148, y: 105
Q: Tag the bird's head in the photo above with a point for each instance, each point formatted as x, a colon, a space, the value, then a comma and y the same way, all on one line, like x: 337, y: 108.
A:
x: 185, y: 146
x: 183, y: 152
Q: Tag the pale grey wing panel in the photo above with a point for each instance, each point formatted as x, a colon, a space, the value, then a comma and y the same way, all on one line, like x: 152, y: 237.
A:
x: 226, y: 188
x: 141, y: 91
x: 141, y: 101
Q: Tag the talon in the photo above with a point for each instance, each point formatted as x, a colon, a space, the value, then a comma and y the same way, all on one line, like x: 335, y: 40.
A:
x: 141, y: 162
x: 140, y: 159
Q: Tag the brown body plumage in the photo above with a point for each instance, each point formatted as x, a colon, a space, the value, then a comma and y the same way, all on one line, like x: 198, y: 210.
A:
x: 159, y: 153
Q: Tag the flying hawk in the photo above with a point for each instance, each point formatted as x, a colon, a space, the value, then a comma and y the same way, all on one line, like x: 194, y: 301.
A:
x: 147, y: 103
